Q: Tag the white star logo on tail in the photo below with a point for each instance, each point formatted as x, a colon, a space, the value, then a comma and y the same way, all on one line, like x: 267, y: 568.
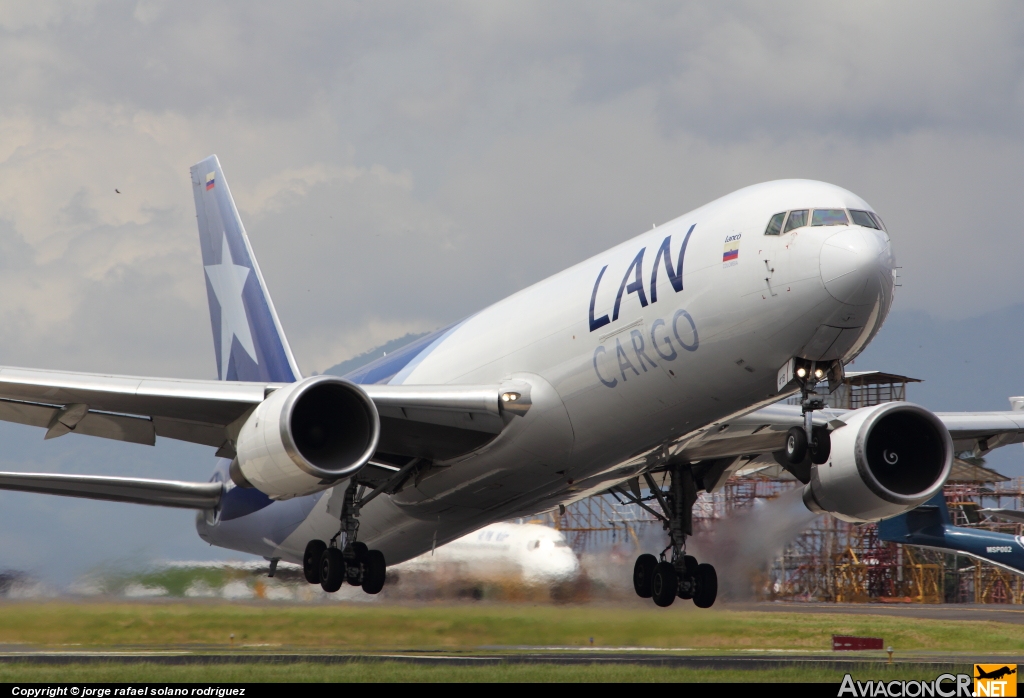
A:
x: 228, y: 280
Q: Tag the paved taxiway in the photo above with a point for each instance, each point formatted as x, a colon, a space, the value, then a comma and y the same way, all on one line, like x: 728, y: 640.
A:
x: 998, y: 613
x: 766, y: 660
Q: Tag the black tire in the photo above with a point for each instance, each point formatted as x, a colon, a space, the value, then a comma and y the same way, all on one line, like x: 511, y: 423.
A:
x: 643, y: 572
x: 821, y: 447
x: 664, y: 584
x: 374, y: 572
x: 359, y: 551
x: 707, y: 586
x: 690, y: 564
x: 796, y: 445
x: 332, y: 570
x: 311, y: 560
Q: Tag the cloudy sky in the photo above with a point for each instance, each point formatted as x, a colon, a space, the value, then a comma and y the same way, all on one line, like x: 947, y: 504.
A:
x: 399, y: 165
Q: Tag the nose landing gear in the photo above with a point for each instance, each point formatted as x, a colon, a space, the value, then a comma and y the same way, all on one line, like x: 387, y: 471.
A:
x: 679, y: 575
x: 808, y: 444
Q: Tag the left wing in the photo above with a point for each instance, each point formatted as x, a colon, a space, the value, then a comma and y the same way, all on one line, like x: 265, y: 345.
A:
x: 416, y: 421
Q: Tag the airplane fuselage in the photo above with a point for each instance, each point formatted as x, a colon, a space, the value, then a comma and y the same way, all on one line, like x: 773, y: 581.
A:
x: 629, y: 353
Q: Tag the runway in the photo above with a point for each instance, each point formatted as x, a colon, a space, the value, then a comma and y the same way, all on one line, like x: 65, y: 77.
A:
x: 998, y: 613
x: 558, y: 656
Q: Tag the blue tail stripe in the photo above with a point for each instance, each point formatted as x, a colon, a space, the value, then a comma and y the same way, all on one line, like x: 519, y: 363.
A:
x: 382, y: 370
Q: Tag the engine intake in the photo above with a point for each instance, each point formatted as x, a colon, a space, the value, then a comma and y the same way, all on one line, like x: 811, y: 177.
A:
x: 886, y: 460
x: 305, y: 437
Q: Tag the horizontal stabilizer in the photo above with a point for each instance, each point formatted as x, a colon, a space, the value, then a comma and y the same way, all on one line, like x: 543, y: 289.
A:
x: 165, y: 493
x: 1015, y: 515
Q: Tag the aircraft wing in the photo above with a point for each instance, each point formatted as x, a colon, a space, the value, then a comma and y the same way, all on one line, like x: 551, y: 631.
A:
x: 727, y: 445
x: 416, y: 421
x: 167, y: 493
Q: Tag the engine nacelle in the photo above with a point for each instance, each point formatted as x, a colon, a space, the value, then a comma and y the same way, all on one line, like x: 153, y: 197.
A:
x: 305, y: 437
x: 885, y: 461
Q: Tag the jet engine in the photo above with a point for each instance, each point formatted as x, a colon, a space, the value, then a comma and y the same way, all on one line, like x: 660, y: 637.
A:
x: 305, y: 437
x: 886, y: 460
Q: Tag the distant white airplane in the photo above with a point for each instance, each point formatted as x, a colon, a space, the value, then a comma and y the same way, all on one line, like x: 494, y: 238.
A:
x: 537, y: 553
x: 655, y: 363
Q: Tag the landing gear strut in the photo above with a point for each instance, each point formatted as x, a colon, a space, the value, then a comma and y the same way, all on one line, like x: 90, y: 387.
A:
x: 332, y: 564
x: 678, y: 574
x: 810, y: 442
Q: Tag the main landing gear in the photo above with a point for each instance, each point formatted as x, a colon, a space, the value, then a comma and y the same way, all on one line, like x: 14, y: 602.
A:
x: 331, y: 565
x: 680, y: 574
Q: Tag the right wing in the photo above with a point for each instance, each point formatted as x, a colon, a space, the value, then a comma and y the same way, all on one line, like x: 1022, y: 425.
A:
x: 722, y: 448
x: 166, y: 493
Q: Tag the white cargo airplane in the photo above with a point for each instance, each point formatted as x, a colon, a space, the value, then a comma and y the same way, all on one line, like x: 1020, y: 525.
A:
x: 538, y: 554
x: 658, y: 361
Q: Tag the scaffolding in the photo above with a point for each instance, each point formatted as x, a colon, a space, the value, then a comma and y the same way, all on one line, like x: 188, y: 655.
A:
x: 866, y: 388
x: 833, y: 560
x: 841, y: 562
x: 601, y: 522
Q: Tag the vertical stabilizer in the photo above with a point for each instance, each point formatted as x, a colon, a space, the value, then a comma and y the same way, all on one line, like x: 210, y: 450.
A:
x: 247, y: 336
x: 929, y: 518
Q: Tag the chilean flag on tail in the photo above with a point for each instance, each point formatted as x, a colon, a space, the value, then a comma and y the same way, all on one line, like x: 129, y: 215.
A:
x: 247, y: 336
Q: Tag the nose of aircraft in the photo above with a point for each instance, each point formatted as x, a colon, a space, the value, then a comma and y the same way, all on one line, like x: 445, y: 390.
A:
x: 856, y: 265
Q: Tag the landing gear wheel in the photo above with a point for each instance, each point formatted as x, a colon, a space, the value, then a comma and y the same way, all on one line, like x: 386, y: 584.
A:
x: 643, y: 573
x: 359, y: 551
x: 374, y: 571
x: 332, y: 570
x: 796, y: 445
x: 707, y: 586
x: 664, y: 584
x: 311, y: 560
x: 688, y: 582
x: 821, y: 447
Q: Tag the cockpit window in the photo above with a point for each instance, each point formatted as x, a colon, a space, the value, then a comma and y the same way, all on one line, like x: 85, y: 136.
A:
x: 878, y: 219
x: 863, y: 219
x: 797, y: 219
x: 775, y: 224
x: 829, y: 216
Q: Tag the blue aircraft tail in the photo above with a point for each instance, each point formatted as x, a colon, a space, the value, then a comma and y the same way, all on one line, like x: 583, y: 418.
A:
x: 930, y: 516
x: 930, y: 526
x: 247, y: 336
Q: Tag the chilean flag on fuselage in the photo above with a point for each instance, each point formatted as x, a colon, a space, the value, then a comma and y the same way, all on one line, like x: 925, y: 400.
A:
x: 247, y: 336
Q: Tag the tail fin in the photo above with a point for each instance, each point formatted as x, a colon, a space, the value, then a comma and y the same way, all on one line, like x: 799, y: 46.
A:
x: 933, y: 513
x: 247, y: 335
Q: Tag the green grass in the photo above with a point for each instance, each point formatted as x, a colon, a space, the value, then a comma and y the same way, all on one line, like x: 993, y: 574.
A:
x: 354, y: 628
x: 394, y: 671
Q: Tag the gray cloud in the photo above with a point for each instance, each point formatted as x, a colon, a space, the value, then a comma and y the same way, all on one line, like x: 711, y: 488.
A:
x: 401, y: 165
